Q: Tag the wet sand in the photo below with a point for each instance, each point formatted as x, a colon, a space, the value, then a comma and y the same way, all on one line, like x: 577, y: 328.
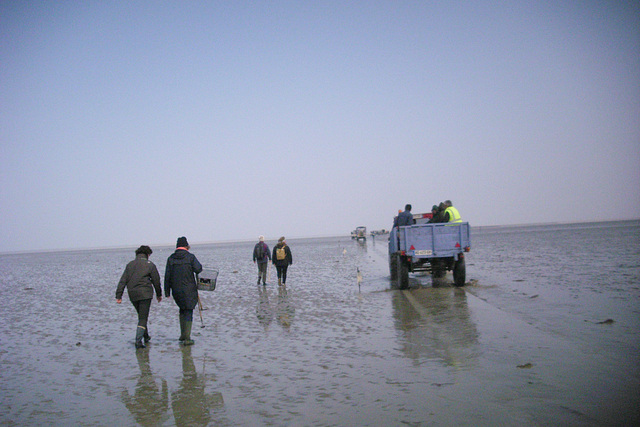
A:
x: 321, y: 351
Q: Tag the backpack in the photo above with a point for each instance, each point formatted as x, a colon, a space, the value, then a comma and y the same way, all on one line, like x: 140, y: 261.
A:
x: 260, y: 251
x: 280, y: 253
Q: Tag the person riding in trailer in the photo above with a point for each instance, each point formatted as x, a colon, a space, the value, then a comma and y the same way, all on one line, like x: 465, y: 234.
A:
x: 451, y: 214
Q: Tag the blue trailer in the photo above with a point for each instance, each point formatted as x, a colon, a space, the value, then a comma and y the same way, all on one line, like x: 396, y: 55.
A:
x: 435, y: 248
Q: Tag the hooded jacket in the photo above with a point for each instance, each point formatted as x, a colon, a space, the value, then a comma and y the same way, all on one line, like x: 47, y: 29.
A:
x: 179, y: 278
x: 140, y: 277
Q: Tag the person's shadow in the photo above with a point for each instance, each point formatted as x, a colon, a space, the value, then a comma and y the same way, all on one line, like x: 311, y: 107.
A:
x: 150, y: 401
x: 191, y: 405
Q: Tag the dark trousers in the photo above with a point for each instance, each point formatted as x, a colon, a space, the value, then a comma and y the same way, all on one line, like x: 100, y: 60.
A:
x: 262, y: 271
x: 282, y: 272
x: 186, y: 314
x: 142, y: 307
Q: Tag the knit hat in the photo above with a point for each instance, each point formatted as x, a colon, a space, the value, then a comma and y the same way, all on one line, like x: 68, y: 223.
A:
x: 281, y: 239
x: 146, y: 250
x: 182, y: 242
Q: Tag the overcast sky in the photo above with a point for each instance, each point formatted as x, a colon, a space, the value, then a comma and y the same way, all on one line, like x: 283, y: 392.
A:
x: 126, y: 123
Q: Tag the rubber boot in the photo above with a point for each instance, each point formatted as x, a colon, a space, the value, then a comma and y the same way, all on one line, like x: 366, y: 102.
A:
x: 279, y: 282
x: 139, y: 335
x: 187, y: 333
x: 182, y: 329
x: 146, y: 336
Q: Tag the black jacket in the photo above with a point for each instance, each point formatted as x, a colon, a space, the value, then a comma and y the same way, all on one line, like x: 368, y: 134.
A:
x: 179, y: 278
x: 140, y: 277
x: 437, y: 218
x: 288, y: 259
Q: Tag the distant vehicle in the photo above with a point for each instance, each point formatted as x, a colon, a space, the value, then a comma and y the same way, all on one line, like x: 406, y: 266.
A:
x: 435, y: 248
x: 379, y: 232
x: 359, y: 233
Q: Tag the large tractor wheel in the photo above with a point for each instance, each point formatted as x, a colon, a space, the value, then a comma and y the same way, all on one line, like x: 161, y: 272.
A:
x: 393, y: 267
x: 403, y: 273
x: 459, y: 272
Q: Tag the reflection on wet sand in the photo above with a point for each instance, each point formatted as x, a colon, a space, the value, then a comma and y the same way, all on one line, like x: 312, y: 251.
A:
x: 263, y: 310
x: 383, y: 356
x: 283, y: 310
x: 150, y: 401
x: 191, y: 405
x: 435, y: 324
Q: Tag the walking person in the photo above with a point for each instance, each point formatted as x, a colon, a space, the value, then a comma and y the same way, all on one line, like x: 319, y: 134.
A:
x: 282, y: 258
x: 141, y: 278
x: 179, y: 279
x: 261, y: 256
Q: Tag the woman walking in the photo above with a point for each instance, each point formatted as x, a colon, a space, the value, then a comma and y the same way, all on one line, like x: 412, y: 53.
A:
x: 179, y: 279
x: 282, y: 258
x: 140, y: 277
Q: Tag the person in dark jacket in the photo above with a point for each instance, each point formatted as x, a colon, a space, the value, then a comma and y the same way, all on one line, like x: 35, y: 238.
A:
x: 140, y: 277
x: 434, y: 214
x: 179, y: 279
x: 404, y: 218
x: 261, y: 256
x: 282, y: 259
x: 438, y: 214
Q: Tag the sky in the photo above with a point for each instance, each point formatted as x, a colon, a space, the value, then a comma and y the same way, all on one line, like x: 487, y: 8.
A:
x: 127, y: 123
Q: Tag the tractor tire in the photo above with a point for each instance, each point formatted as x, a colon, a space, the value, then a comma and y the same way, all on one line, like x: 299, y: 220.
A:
x: 403, y: 273
x: 459, y: 272
x: 393, y: 267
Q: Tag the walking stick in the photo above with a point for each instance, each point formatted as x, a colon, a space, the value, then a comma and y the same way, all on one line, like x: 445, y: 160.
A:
x: 199, y: 303
x: 200, y: 311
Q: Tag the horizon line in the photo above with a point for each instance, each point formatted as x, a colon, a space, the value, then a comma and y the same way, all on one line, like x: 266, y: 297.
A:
x: 216, y: 242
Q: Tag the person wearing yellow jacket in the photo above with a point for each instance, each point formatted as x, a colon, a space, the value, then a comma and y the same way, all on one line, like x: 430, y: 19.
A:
x: 451, y: 214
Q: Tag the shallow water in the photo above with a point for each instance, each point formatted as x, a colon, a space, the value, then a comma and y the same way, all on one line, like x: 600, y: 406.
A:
x: 523, y: 343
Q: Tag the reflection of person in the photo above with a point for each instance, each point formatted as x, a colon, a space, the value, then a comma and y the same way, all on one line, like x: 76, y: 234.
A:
x: 179, y: 279
x: 404, y: 218
x: 282, y: 258
x: 284, y: 309
x: 140, y: 277
x: 261, y: 256
x: 263, y: 310
x: 149, y: 402
x: 191, y: 405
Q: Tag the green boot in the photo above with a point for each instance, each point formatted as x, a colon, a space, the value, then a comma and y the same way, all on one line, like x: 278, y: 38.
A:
x: 139, y: 335
x: 182, y: 329
x: 187, y: 333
